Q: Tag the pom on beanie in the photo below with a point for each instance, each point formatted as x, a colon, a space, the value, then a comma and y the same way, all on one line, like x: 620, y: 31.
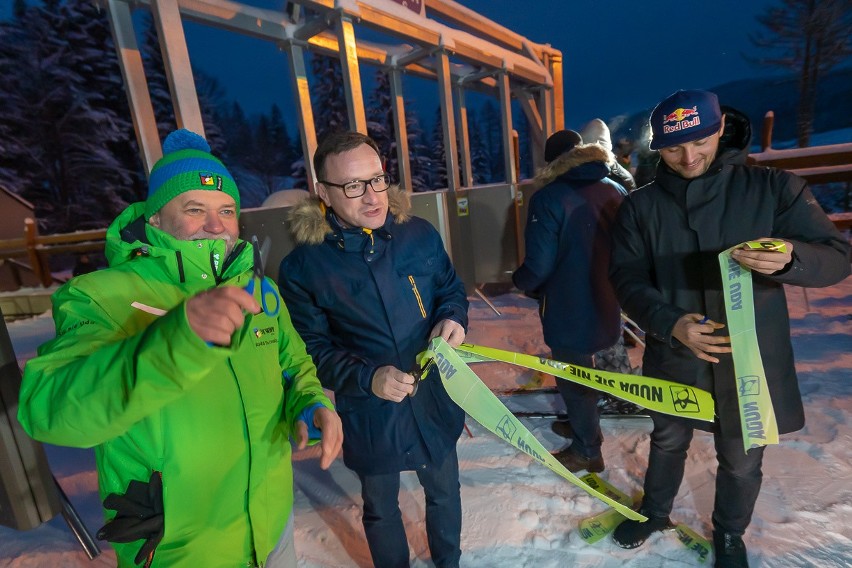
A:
x: 184, y: 139
x: 186, y: 165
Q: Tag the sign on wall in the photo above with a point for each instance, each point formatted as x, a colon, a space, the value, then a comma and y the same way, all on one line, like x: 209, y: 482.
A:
x: 416, y: 6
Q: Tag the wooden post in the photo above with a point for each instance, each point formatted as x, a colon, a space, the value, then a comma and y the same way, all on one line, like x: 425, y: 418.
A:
x: 519, y: 235
x: 40, y: 269
x: 766, y: 135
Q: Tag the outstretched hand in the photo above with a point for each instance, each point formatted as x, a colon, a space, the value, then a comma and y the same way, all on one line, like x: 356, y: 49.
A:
x: 698, y: 337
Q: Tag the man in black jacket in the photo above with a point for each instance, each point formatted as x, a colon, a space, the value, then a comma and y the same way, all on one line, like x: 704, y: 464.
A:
x: 567, y: 257
x: 703, y: 201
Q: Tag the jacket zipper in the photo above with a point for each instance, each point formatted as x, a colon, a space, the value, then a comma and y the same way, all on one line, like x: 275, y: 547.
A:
x: 181, y: 275
x: 249, y: 438
x: 150, y: 560
x: 417, y: 295
x: 228, y: 261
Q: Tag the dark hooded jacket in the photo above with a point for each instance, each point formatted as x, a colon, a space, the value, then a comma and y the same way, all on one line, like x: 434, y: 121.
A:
x: 364, y: 299
x: 568, y: 248
x: 664, y: 265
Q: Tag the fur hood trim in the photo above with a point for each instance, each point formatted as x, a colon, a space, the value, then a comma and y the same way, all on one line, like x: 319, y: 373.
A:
x: 580, y: 154
x: 308, y: 225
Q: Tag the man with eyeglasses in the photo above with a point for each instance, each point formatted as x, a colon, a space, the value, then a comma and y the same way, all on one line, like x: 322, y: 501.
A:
x: 368, y: 286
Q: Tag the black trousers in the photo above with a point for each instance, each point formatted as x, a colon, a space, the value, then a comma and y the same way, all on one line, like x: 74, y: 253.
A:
x: 382, y: 518
x: 582, y: 406
x: 738, y: 475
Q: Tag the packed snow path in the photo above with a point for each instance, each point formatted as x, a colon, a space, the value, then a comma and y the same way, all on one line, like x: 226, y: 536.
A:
x: 518, y: 513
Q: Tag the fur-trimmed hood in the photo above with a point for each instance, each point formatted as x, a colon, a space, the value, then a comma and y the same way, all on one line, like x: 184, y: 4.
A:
x: 579, y: 155
x: 309, y: 224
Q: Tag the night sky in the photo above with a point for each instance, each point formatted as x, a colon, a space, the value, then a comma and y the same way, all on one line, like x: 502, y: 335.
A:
x: 619, y: 56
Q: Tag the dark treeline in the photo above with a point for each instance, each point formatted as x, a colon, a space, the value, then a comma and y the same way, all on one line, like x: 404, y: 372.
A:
x: 67, y: 143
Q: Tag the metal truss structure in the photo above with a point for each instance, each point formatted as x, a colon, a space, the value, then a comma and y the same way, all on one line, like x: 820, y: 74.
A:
x: 462, y: 51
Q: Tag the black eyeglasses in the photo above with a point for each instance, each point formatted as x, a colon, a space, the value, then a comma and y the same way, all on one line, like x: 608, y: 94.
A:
x: 358, y: 187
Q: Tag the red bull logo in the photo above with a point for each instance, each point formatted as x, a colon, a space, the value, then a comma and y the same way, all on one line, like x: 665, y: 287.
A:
x: 680, y: 114
x: 681, y: 119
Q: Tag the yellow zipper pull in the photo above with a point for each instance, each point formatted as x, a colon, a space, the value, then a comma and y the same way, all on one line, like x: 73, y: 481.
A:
x: 417, y: 295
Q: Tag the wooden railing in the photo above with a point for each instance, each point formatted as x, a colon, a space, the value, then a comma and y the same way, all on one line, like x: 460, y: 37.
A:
x: 817, y: 164
x: 38, y: 248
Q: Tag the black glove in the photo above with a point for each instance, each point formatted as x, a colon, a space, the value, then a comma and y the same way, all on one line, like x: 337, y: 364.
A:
x: 139, y: 515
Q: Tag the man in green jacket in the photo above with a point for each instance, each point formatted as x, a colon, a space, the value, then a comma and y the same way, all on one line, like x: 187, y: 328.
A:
x: 186, y: 389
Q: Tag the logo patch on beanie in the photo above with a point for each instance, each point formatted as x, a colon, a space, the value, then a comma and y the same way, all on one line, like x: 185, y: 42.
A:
x: 206, y: 179
x: 680, y: 117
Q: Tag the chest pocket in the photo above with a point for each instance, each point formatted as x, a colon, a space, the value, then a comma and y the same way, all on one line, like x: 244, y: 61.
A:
x: 262, y: 332
x: 419, y: 281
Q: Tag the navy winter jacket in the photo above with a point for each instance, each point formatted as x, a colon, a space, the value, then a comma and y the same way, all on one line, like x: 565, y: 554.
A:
x: 568, y: 250
x: 362, y: 300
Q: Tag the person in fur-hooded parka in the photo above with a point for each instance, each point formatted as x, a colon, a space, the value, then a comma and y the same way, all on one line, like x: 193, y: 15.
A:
x: 368, y: 285
x: 566, y: 265
x: 597, y: 132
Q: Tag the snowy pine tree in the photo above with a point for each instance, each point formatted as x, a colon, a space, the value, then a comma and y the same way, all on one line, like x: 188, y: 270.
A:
x: 478, y: 153
x: 281, y: 140
x: 209, y: 92
x: 327, y: 97
x: 158, y: 85
x: 14, y: 44
x: 492, y: 133
x: 272, y: 158
x: 524, y: 146
x: 329, y: 104
x: 439, y: 162
x: 69, y: 115
x: 421, y: 162
x: 211, y: 102
x: 381, y: 125
x: 237, y: 131
x: 809, y: 37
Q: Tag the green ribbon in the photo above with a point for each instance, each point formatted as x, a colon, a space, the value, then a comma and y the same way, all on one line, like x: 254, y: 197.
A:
x: 757, y: 416
x: 477, y: 400
x: 659, y: 395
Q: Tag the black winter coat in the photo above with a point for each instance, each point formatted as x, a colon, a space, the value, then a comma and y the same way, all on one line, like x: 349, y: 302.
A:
x: 664, y: 265
x: 361, y: 301
x: 567, y: 240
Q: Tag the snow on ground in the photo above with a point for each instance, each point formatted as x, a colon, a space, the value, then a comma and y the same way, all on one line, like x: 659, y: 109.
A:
x: 520, y: 514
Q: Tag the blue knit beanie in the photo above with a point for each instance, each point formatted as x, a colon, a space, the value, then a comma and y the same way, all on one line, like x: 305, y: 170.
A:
x: 186, y: 165
x: 683, y: 117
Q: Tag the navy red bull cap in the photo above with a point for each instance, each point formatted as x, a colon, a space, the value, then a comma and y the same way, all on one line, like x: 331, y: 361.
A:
x: 683, y: 117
